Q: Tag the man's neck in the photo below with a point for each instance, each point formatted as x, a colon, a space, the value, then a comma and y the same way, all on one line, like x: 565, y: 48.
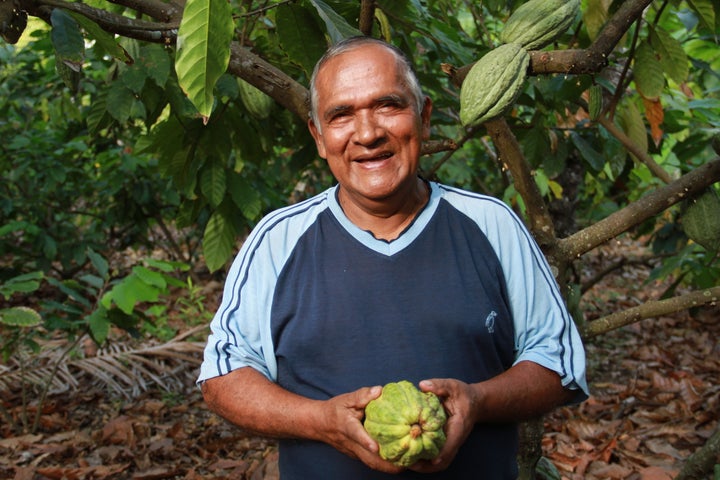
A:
x: 386, y: 220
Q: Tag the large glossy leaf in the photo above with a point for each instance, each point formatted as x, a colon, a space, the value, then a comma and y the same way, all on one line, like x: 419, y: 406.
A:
x: 67, y: 39
x: 336, y: 25
x: 631, y: 122
x: 203, y: 50
x: 673, y: 59
x: 103, y: 39
x: 218, y: 240
x: 706, y: 12
x: 299, y: 35
x: 648, y: 71
x: 213, y: 183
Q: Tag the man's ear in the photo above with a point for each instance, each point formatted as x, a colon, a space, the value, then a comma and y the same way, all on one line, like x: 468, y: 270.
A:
x: 317, y: 136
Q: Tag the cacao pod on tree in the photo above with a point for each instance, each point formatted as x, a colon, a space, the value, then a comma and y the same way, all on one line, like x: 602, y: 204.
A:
x: 537, y: 23
x: 493, y: 84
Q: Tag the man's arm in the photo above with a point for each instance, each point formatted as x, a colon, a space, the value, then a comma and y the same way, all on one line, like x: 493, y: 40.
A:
x: 249, y: 400
x: 524, y: 391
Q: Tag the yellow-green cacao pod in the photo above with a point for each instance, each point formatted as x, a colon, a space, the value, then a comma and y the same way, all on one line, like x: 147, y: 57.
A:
x: 493, y: 84
x: 256, y: 101
x: 595, y: 102
x: 537, y: 23
x: 406, y: 423
x: 701, y: 220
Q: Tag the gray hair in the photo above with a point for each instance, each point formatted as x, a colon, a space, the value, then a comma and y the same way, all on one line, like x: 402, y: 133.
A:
x: 406, y: 70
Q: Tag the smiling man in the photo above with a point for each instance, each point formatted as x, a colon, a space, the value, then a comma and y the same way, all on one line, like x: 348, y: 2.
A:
x: 387, y: 277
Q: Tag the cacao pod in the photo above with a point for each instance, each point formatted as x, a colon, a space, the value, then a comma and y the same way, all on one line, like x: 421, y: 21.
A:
x: 537, y: 23
x: 595, y: 102
x: 256, y: 101
x: 406, y: 423
x: 701, y: 220
x: 493, y: 84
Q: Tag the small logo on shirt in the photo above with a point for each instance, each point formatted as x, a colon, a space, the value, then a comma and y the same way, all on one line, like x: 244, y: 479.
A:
x: 490, y: 322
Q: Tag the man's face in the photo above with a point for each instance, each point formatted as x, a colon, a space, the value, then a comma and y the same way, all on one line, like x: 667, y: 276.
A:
x: 369, y: 131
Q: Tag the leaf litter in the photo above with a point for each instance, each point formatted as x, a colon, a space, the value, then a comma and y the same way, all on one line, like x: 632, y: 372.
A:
x: 655, y: 399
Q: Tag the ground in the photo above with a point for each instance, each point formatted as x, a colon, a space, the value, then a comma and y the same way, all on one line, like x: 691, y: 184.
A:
x: 655, y: 399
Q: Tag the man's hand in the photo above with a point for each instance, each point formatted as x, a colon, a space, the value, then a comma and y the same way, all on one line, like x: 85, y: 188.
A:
x: 343, y: 423
x: 251, y: 401
x: 459, y: 400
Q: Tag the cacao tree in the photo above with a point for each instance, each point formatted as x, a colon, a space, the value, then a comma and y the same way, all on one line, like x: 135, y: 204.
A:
x: 610, y: 129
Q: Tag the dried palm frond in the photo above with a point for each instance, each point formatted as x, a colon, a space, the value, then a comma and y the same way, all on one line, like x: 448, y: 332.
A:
x: 126, y: 368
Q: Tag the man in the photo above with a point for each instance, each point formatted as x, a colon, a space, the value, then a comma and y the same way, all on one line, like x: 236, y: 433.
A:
x: 381, y: 278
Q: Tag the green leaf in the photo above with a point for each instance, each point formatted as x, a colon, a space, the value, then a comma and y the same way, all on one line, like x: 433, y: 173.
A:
x: 212, y: 183
x: 155, y: 61
x: 150, y: 277
x: 70, y: 288
x: 129, y: 292
x: 246, y: 197
x: 120, y: 100
x: 20, y: 317
x: 99, y: 325
x: 218, y: 240
x: 337, y: 27
x: 648, y: 71
x: 706, y: 12
x: 595, y: 14
x: 673, y: 59
x: 203, y: 49
x: 104, y: 40
x: 99, y: 263
x: 587, y: 152
x: 67, y: 39
x: 28, y: 282
x: 631, y: 122
x: 300, y: 36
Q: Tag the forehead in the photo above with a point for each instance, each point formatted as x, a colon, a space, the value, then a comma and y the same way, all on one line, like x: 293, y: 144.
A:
x: 365, y: 67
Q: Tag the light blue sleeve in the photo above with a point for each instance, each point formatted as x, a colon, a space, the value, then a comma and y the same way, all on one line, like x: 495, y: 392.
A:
x: 240, y: 331
x: 545, y: 333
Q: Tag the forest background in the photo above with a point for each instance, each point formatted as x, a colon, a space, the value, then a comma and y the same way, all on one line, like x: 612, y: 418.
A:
x: 132, y: 169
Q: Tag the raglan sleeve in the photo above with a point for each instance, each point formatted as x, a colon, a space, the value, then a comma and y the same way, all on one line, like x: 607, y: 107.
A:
x: 240, y: 333
x: 545, y: 333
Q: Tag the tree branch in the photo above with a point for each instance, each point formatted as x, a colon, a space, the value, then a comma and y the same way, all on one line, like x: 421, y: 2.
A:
x: 651, y: 309
x: 633, y: 148
x: 505, y: 142
x: 158, y: 9
x: 367, y: 15
x: 646, y: 207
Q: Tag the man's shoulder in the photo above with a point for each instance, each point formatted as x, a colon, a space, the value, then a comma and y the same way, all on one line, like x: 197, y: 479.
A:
x: 474, y: 204
x: 294, y: 215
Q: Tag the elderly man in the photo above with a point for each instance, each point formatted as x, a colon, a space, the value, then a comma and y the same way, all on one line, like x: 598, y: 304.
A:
x: 387, y: 277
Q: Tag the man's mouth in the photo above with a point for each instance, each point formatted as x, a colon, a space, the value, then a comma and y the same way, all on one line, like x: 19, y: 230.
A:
x: 374, y: 158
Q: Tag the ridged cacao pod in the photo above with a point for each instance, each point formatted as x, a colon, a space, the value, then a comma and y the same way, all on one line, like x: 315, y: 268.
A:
x: 537, y: 23
x: 406, y: 423
x: 701, y: 220
x: 256, y: 101
x: 595, y: 102
x: 493, y: 84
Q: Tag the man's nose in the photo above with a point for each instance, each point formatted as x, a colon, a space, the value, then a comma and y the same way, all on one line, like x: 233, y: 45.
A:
x: 368, y: 130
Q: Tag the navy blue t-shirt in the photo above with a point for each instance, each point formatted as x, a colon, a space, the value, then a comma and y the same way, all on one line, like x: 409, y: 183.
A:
x: 324, y: 308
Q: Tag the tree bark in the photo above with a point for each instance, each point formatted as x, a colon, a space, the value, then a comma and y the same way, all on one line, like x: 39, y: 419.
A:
x: 700, y: 464
x: 652, y: 309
